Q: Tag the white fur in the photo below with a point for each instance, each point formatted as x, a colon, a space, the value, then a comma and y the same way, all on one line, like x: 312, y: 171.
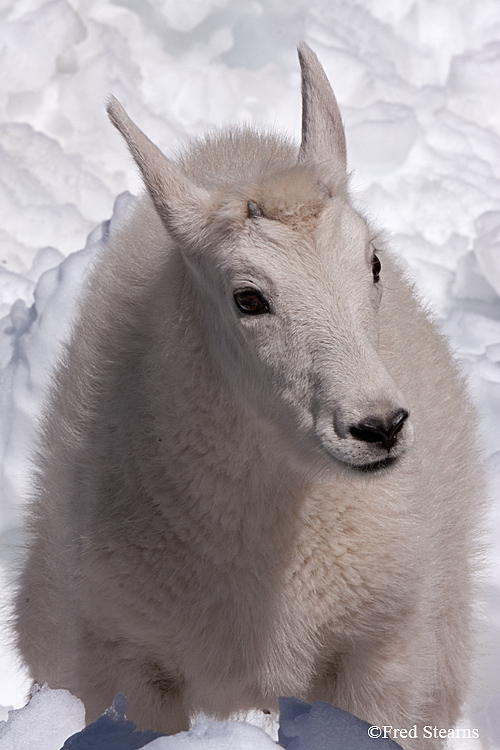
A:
x: 203, y: 535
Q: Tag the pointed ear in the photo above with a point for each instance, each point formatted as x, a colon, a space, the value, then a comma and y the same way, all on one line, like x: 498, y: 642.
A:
x: 323, y: 138
x: 181, y: 204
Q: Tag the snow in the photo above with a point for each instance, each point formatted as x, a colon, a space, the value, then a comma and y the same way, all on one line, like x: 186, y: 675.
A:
x: 51, y: 716
x: 303, y: 726
x: 418, y: 82
x: 112, y: 731
x: 321, y: 726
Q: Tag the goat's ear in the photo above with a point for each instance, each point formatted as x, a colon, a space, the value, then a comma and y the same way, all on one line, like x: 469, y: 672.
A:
x: 182, y: 205
x: 323, y: 137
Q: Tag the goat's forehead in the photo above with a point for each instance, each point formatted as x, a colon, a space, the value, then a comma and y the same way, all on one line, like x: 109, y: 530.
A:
x: 279, y: 252
x: 339, y: 231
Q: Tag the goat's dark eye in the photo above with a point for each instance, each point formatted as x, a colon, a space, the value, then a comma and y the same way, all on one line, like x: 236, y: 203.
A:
x: 251, y: 302
x: 376, y: 268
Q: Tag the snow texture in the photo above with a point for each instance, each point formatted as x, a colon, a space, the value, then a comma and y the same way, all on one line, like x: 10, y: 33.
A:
x: 112, y: 731
x: 321, y: 726
x: 418, y: 83
x: 45, y: 723
x: 303, y: 726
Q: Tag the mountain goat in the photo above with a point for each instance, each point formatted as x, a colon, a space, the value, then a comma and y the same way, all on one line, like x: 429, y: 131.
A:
x: 257, y: 473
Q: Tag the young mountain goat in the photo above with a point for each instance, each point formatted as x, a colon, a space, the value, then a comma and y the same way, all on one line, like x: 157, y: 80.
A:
x: 257, y: 474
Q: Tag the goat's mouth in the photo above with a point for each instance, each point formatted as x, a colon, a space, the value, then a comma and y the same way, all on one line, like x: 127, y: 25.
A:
x: 365, y: 464
x: 375, y: 466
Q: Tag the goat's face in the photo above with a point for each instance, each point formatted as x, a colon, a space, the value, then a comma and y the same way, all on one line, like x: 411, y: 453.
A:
x: 290, y: 310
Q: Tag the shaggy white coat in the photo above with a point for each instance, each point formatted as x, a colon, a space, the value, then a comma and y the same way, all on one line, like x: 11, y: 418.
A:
x: 207, y: 533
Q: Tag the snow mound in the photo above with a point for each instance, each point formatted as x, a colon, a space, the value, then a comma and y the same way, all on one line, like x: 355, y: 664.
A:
x: 44, y: 723
x: 111, y: 731
x: 321, y: 726
x: 303, y: 726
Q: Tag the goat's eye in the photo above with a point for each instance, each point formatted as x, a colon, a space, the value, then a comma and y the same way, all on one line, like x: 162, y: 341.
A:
x: 376, y: 268
x: 251, y: 302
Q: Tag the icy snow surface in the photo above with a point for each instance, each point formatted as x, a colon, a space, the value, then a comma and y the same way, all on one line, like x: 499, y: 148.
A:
x: 418, y: 82
x: 303, y: 726
x: 45, y: 723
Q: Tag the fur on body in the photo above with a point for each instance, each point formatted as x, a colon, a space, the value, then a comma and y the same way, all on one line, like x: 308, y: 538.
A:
x: 257, y: 473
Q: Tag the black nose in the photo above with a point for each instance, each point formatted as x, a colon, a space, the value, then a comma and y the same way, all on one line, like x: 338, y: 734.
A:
x: 376, y: 430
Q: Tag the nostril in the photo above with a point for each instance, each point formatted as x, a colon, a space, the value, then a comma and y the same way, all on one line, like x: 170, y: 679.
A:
x: 398, y: 421
x: 376, y: 430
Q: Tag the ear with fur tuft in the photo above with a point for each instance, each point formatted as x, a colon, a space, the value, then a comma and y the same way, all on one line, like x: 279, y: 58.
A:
x: 181, y: 204
x: 323, y: 137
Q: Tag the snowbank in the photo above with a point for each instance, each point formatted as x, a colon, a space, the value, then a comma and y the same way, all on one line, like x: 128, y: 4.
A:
x: 44, y: 723
x: 303, y: 726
